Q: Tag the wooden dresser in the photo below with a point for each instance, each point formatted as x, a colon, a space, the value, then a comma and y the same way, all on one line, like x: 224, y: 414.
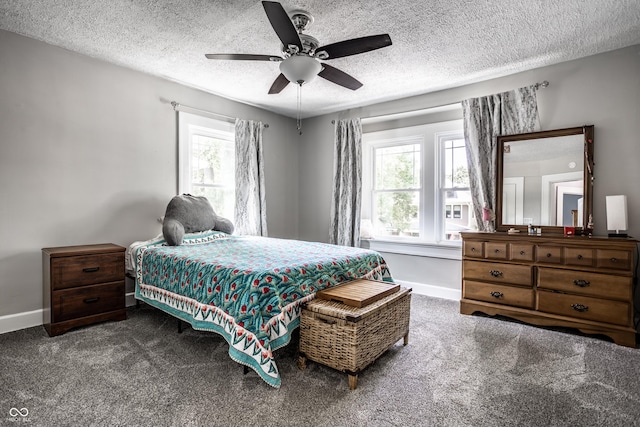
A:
x: 578, y: 282
x: 82, y: 285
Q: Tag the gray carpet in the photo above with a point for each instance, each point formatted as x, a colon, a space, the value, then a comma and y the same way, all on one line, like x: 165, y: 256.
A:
x: 456, y: 371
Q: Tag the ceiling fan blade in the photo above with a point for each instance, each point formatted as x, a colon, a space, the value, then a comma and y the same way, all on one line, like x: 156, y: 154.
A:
x: 353, y: 46
x: 282, y: 24
x: 242, y: 57
x: 280, y: 83
x: 339, y: 77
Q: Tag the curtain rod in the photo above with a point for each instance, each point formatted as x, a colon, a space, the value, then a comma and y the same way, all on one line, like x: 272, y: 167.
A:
x: 179, y: 107
x: 444, y: 107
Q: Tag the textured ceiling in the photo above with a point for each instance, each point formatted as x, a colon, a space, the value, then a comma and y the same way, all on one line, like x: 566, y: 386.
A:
x: 437, y: 44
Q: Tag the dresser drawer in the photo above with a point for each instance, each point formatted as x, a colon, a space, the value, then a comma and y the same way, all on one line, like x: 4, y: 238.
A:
x: 549, y: 254
x: 585, y: 283
x: 473, y: 249
x: 500, y: 294
x: 520, y: 252
x: 586, y: 308
x: 578, y: 257
x: 495, y: 250
x: 87, y: 300
x: 497, y: 272
x: 617, y: 260
x: 68, y: 272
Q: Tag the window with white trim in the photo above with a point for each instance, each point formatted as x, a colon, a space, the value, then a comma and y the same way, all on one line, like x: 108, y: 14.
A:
x: 454, y: 184
x: 415, y: 183
x: 206, y: 161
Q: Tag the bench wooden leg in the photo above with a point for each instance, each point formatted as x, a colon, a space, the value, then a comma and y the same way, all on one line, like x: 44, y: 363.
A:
x: 406, y: 339
x: 302, y: 363
x: 353, y: 382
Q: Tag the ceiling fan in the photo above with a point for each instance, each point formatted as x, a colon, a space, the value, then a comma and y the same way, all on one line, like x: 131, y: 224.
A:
x: 301, y: 53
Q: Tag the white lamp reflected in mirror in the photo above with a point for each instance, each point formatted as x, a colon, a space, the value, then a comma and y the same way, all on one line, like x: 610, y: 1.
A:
x: 617, y: 215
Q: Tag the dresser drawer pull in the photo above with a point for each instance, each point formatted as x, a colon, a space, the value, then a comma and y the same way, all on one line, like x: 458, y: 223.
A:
x: 90, y: 300
x: 473, y: 249
x: 496, y: 294
x: 522, y: 252
x: 582, y: 283
x: 579, y: 307
x: 579, y: 256
x: 90, y: 269
x: 495, y: 273
x: 497, y: 251
x: 549, y: 255
x: 614, y: 260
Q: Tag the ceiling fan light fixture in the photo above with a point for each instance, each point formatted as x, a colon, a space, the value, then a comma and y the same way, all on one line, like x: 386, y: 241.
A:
x: 300, y: 69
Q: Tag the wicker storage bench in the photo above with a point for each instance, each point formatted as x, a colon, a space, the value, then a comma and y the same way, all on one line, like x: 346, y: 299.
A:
x: 351, y: 338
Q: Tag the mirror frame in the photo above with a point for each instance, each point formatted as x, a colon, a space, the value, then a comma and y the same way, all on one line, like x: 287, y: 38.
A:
x: 587, y: 131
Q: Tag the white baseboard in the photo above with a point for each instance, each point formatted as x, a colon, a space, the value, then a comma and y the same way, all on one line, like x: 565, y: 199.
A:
x: 130, y: 299
x: 29, y: 319
x: 15, y: 322
x: 432, y: 290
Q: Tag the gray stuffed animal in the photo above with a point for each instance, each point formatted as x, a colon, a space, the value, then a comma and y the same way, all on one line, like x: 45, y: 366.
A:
x: 189, y: 214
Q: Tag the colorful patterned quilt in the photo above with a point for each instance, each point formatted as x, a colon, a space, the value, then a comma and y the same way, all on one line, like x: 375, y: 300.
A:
x: 247, y: 289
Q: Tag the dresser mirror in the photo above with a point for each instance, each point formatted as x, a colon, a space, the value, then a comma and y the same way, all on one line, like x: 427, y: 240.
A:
x: 545, y: 179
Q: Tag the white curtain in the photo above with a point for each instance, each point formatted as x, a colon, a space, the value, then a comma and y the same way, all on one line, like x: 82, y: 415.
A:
x: 485, y: 119
x: 347, y: 183
x: 250, y: 207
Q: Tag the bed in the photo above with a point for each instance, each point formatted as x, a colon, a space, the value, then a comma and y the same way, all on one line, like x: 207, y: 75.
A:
x: 248, y: 289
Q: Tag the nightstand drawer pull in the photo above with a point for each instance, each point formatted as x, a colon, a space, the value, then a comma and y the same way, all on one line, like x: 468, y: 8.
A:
x: 91, y: 300
x: 579, y: 307
x: 579, y: 256
x: 495, y: 273
x: 522, y: 252
x: 614, y: 260
x: 549, y: 255
x: 496, y: 294
x: 90, y: 269
x: 582, y: 283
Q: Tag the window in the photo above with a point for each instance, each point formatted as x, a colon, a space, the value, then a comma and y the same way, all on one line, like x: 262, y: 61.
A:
x: 416, y: 184
x: 396, y: 189
x: 454, y: 186
x: 207, y: 161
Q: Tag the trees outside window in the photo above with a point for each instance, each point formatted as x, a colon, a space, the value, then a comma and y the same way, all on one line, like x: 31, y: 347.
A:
x: 416, y: 183
x: 206, y: 165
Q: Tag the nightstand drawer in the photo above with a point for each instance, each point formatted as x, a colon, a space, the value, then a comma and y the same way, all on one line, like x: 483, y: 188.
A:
x: 68, y: 272
x: 87, y: 300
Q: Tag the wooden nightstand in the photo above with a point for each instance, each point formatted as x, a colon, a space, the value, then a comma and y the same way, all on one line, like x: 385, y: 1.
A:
x: 82, y: 285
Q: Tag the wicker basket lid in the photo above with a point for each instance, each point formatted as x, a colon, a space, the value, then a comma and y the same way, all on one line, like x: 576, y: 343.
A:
x: 349, y: 313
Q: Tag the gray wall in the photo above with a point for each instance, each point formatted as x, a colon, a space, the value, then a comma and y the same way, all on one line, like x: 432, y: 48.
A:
x: 603, y: 90
x: 88, y: 155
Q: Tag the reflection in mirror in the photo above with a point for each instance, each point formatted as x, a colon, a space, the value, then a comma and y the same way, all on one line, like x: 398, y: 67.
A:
x: 542, y: 179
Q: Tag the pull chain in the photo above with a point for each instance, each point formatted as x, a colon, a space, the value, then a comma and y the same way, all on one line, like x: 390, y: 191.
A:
x: 299, y: 118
